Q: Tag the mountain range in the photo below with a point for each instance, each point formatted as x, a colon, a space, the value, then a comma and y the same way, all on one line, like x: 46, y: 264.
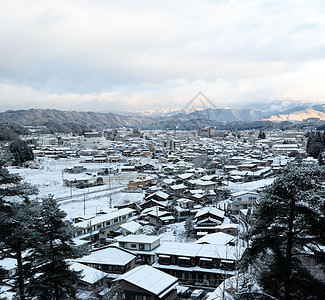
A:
x: 164, y: 119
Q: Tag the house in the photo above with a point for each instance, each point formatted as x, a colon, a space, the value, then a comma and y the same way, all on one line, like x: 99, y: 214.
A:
x: 247, y: 167
x: 207, y: 218
x: 230, y: 228
x: 217, y: 238
x: 178, y: 188
x: 147, y: 283
x: 160, y: 217
x: 135, y: 185
x: 91, y: 278
x: 111, y: 260
x: 243, y: 200
x: 10, y: 266
x: 183, y: 208
x: 158, y: 195
x: 102, y: 225
x: 142, y: 245
x: 130, y: 228
x: 279, y: 149
x: 197, y: 264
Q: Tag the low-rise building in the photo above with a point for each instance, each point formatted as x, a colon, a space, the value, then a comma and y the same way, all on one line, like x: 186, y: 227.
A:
x: 142, y: 245
x: 243, y: 200
x: 196, y: 264
x: 147, y: 283
x: 111, y: 260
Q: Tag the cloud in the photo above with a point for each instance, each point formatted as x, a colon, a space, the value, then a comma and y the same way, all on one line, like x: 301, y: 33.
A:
x: 133, y: 54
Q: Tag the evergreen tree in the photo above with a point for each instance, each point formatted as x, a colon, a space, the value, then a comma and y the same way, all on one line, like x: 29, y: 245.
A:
x: 21, y: 152
x: 17, y: 220
x: 52, y: 278
x: 315, y: 143
x: 261, y: 135
x: 189, y: 226
x: 287, y: 238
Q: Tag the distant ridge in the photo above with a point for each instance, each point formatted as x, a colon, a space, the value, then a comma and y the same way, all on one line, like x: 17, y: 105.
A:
x: 90, y: 119
x: 79, y: 121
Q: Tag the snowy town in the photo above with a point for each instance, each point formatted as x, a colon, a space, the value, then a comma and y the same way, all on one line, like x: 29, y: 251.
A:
x: 162, y: 214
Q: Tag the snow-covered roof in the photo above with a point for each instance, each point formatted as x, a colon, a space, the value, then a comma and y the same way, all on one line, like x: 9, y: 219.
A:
x: 8, y: 263
x: 178, y: 186
x: 131, y: 226
x: 197, y: 250
x: 108, y: 256
x: 184, y: 200
x: 211, y: 210
x: 162, y: 195
x: 168, y: 180
x: 198, y: 191
x: 105, y: 217
x: 244, y: 193
x: 208, y: 177
x: 158, y: 213
x: 185, y: 175
x: 89, y: 275
x: 140, y: 238
x: 218, y: 238
x: 150, y: 279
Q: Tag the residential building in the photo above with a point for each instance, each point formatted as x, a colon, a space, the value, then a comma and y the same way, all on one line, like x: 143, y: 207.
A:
x: 197, y: 264
x: 146, y: 283
x: 142, y: 245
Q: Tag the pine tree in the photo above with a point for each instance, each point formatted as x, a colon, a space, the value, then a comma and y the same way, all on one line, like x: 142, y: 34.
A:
x: 288, y: 235
x: 21, y: 152
x: 261, y: 135
x: 52, y: 278
x: 17, y: 221
x: 189, y: 227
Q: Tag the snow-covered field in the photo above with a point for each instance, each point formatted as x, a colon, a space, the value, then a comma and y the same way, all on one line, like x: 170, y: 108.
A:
x: 49, y: 180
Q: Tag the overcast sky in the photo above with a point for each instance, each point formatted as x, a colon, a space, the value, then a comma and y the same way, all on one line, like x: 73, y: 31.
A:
x: 126, y: 55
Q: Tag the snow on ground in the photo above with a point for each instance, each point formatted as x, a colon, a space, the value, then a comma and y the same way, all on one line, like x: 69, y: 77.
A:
x: 174, y: 233
x: 49, y: 180
x: 97, y: 203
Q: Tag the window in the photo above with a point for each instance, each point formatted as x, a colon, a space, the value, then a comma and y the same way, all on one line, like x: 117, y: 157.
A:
x: 184, y: 261
x: 124, y: 217
x: 99, y: 226
x: 206, y: 262
x: 141, y: 246
x: 133, y: 245
x: 164, y: 259
x: 238, y: 199
x: 146, y: 297
x: 115, y: 220
x: 108, y: 223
